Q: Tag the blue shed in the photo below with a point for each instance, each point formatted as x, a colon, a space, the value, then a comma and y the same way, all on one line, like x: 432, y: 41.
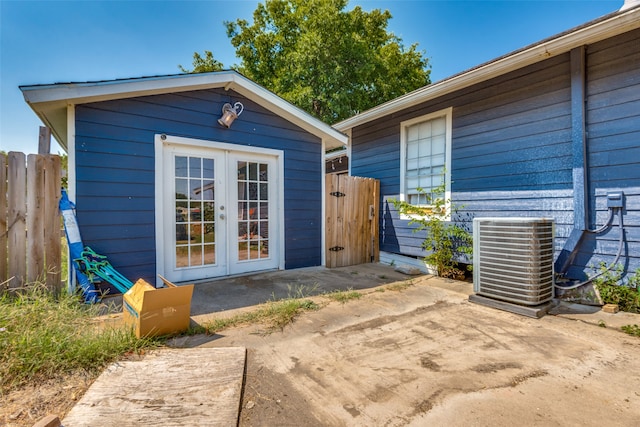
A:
x: 161, y: 187
x: 549, y: 130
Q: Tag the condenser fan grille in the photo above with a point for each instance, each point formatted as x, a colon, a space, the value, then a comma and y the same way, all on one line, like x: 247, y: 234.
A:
x: 513, y: 259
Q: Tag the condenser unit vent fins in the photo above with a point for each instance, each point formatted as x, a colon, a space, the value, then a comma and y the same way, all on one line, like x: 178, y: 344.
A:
x: 513, y: 259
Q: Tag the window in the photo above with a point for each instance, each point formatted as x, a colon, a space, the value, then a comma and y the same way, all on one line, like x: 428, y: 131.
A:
x: 425, y: 156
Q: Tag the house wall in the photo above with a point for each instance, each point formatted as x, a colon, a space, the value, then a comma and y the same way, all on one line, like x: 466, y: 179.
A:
x: 115, y: 176
x: 512, y: 149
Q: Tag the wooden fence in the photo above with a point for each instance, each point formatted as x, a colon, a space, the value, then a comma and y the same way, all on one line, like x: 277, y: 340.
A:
x: 30, y: 247
x: 352, y: 220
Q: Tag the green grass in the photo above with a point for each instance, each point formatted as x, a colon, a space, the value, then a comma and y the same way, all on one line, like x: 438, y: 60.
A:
x: 400, y: 286
x: 275, y: 314
x: 344, y: 296
x: 43, y: 336
x: 633, y: 330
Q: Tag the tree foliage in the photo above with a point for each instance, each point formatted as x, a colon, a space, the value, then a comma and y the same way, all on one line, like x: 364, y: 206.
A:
x: 330, y: 62
x: 203, y: 64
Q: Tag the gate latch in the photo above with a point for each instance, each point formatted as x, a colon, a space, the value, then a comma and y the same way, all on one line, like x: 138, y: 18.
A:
x: 337, y: 194
x: 336, y: 248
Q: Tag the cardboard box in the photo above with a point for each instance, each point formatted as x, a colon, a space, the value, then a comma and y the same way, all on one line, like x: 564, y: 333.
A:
x: 159, y: 311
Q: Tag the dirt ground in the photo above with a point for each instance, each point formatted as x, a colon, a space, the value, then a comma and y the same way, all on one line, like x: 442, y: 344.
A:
x: 419, y: 356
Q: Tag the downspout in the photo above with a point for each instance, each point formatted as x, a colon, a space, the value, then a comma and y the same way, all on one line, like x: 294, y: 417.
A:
x: 579, y: 154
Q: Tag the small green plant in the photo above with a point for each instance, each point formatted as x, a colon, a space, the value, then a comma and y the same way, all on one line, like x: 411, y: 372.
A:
x: 344, y: 296
x: 633, y: 330
x: 627, y: 296
x: 446, y: 242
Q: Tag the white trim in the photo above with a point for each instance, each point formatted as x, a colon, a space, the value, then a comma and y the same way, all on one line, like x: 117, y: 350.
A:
x: 323, y: 209
x: 348, y: 133
x: 72, y: 284
x: 448, y: 115
x: 71, y: 151
x: 614, y: 25
x: 159, y: 206
x: 46, y: 100
x: 282, y: 242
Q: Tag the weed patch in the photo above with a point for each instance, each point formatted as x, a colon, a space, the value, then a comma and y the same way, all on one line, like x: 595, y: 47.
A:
x: 633, y: 330
x: 44, y: 335
x: 344, y: 296
x: 400, y: 286
x: 276, y: 314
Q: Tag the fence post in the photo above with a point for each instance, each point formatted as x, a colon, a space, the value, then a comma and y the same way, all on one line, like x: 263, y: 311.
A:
x: 52, y: 222
x: 35, y: 218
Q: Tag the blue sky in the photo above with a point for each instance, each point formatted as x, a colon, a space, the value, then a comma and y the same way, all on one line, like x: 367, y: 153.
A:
x: 45, y: 42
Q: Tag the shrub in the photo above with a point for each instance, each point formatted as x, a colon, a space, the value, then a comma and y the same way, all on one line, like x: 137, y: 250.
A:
x: 446, y: 242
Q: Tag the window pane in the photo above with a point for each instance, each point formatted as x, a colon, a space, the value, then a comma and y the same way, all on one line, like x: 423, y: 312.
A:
x: 195, y: 170
x: 181, y: 167
x: 208, y: 190
x: 264, y: 191
x: 182, y: 256
x: 181, y: 188
x: 439, y: 126
x: 242, y: 170
x: 207, y: 169
x: 264, y: 172
x: 196, y: 255
x: 425, y: 130
x: 412, y: 150
x: 209, y: 254
x: 195, y: 187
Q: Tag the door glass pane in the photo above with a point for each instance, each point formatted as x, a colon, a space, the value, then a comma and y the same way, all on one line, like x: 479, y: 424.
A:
x: 253, y: 211
x: 195, y: 211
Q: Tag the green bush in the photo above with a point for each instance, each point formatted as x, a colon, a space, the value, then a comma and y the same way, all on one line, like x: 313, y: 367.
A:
x: 608, y: 285
x: 446, y: 242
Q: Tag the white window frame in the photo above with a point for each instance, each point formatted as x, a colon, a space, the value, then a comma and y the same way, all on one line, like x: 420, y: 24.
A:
x: 447, y: 113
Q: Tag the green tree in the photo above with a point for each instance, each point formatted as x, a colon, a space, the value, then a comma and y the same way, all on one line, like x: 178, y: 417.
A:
x: 328, y: 61
x: 203, y: 64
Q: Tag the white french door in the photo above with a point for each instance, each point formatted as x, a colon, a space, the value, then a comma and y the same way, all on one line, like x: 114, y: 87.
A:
x: 220, y: 212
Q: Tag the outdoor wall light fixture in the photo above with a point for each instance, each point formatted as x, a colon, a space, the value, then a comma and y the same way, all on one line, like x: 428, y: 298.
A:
x: 230, y: 113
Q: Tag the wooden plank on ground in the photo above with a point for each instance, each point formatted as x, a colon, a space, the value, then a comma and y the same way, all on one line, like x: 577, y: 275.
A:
x: 185, y: 387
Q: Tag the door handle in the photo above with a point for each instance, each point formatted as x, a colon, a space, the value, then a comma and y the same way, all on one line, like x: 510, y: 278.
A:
x: 221, y: 216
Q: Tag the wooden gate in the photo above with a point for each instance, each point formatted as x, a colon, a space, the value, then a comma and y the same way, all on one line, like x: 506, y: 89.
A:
x: 352, y: 220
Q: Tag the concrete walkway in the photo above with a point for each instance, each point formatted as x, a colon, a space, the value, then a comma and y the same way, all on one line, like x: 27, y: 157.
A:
x: 414, y: 356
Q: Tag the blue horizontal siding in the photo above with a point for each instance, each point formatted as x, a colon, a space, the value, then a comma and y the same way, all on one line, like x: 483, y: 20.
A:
x: 115, y: 171
x: 512, y: 150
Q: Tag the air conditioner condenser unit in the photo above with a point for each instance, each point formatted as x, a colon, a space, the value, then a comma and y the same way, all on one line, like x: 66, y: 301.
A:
x: 513, y: 259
